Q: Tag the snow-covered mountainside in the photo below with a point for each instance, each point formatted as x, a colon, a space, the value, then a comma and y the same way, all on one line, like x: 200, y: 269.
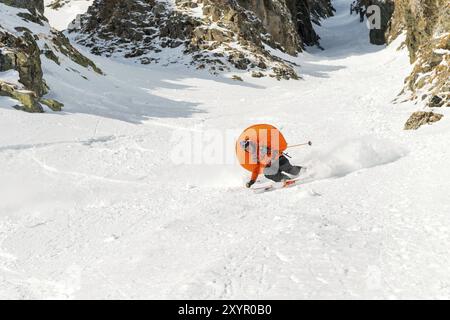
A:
x: 216, y: 35
x: 133, y: 190
x: 27, y: 45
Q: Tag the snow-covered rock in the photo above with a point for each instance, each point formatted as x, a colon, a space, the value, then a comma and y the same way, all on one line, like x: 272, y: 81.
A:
x: 26, y: 38
x: 421, y: 118
x: 427, y: 27
x: 426, y: 24
x: 217, y: 35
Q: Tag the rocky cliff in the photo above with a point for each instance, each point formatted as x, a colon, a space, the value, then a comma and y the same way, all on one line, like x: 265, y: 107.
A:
x: 25, y: 39
x: 312, y: 12
x: 426, y: 24
x: 215, y: 34
x: 56, y: 4
x: 32, y: 5
x: 427, y: 27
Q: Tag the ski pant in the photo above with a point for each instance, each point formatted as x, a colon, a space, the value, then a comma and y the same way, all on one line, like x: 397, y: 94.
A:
x: 276, y: 169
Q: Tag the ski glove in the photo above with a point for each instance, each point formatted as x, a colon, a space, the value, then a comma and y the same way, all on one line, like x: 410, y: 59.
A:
x: 250, y: 183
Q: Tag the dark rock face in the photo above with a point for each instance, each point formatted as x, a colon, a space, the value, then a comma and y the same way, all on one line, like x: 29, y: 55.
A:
x: 320, y: 9
x: 32, y: 5
x: 277, y: 18
x: 304, y: 24
x: 217, y: 34
x: 124, y: 22
x: 307, y: 13
x: 436, y: 102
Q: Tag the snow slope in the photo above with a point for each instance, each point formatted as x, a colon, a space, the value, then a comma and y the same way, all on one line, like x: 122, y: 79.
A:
x: 63, y: 16
x: 97, y: 204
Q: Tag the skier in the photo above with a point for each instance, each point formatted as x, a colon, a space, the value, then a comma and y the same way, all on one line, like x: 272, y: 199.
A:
x: 352, y: 7
x: 273, y: 164
x: 362, y: 13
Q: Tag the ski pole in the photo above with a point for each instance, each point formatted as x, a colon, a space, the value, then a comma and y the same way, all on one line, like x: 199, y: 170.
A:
x: 309, y: 143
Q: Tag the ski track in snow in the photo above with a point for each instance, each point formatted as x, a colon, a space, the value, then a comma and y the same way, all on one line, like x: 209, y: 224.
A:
x: 93, y: 207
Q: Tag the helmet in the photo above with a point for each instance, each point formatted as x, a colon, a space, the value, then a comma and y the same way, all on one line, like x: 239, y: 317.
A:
x: 245, y: 144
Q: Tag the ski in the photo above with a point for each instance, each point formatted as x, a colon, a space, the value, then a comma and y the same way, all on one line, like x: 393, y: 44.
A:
x: 277, y: 185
